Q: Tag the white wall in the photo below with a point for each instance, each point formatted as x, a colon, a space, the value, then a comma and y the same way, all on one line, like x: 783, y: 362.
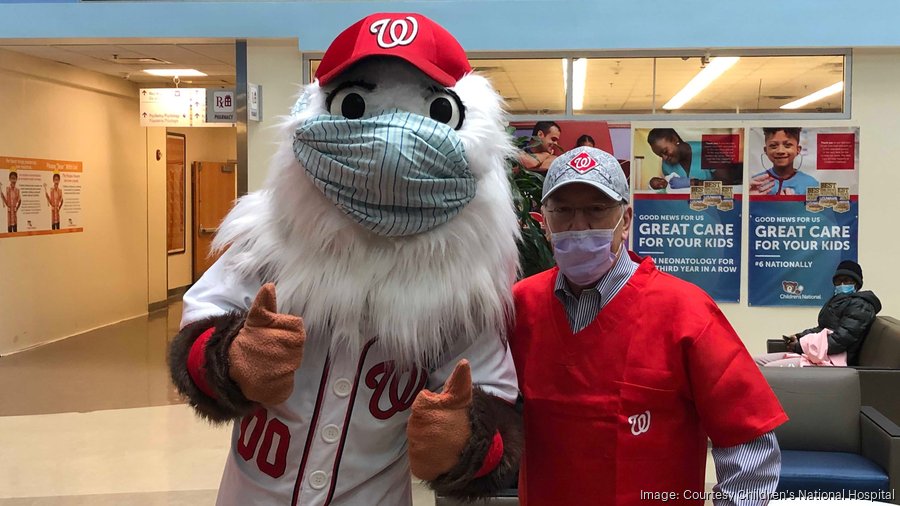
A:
x: 875, y: 105
x: 276, y: 66
x: 203, y: 144
x: 52, y: 286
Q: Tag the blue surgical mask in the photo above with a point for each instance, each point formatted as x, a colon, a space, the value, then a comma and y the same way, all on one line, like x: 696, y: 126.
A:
x: 584, y: 256
x: 845, y: 289
x: 396, y: 174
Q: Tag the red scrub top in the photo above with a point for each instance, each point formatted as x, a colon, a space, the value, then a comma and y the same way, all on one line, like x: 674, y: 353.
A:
x: 626, y: 404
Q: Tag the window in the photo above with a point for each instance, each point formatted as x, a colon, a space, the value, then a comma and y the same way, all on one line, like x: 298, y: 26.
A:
x: 747, y: 84
x: 529, y: 87
x: 619, y: 86
x: 615, y: 86
x: 754, y: 84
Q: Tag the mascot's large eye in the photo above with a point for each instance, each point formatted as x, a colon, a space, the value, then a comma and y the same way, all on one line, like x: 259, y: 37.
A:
x: 348, y: 102
x: 445, y: 107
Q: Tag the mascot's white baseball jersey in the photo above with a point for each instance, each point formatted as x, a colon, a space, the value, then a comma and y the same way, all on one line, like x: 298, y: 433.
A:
x: 377, y: 259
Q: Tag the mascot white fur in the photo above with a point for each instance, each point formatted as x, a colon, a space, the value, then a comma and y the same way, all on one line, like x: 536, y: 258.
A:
x: 387, y: 229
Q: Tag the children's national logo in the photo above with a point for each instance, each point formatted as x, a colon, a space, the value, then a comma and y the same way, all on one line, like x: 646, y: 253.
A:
x: 792, y: 287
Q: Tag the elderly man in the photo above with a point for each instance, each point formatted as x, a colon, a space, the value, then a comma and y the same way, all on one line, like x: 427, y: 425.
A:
x: 626, y: 370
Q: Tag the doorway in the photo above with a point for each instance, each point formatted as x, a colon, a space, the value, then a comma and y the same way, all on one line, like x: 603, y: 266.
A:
x: 215, y: 189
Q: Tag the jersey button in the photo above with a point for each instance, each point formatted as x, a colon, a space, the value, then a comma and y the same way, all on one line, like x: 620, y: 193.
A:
x: 342, y: 387
x: 318, y: 480
x: 331, y: 433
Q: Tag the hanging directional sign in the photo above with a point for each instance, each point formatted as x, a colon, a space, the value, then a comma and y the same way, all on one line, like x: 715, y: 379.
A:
x: 173, y: 107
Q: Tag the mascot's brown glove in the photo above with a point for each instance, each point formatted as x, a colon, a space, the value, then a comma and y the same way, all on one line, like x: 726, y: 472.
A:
x: 227, y: 365
x: 267, y: 351
x: 438, y: 428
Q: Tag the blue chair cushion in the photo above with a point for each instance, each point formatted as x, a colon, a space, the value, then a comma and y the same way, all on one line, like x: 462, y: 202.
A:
x: 830, y: 472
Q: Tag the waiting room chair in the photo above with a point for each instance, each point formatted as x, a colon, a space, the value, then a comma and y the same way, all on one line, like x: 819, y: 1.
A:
x: 832, y: 443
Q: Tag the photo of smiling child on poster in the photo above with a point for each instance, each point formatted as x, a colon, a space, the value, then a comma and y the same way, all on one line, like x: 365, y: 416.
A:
x: 782, y: 175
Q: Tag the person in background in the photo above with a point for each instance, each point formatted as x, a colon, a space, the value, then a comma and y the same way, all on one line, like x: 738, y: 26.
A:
x: 585, y: 140
x: 782, y: 148
x: 622, y: 382
x: 12, y: 199
x: 849, y: 314
x: 543, y: 148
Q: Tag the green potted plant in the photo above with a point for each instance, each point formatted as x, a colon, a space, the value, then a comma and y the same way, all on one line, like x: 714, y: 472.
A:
x: 535, y: 254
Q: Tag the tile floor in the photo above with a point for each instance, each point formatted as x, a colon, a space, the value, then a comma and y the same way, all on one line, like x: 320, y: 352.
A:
x: 93, y: 420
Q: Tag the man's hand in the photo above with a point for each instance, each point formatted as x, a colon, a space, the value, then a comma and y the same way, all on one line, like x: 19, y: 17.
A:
x: 790, y: 342
x: 438, y: 427
x: 267, y: 351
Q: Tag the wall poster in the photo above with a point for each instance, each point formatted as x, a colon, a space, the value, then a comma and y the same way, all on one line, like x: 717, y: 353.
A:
x: 804, y: 212
x: 687, y: 204
x: 39, y: 197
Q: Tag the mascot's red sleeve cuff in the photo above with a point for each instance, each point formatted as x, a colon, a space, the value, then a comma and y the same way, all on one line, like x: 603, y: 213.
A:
x: 492, y: 459
x: 196, y: 362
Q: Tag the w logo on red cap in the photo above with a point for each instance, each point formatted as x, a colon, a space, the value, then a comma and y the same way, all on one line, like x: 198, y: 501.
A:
x: 401, y: 32
x: 582, y: 163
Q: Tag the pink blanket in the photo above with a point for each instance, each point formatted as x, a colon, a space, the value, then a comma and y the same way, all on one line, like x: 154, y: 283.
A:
x: 815, y: 351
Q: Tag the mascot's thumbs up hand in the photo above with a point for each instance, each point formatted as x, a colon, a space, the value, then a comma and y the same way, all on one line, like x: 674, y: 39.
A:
x: 267, y: 351
x: 438, y: 427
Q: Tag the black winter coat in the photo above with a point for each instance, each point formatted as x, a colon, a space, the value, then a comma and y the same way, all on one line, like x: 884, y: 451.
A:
x: 850, y: 316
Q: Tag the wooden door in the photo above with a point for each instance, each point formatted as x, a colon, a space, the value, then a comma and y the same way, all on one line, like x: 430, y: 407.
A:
x: 214, y: 193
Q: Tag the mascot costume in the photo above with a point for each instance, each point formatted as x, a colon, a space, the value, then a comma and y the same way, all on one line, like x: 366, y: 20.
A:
x: 386, y: 229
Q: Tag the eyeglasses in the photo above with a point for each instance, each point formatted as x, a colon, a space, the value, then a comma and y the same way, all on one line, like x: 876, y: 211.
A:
x: 595, y: 214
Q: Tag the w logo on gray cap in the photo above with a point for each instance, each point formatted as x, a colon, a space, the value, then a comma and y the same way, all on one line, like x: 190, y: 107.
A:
x: 582, y: 162
x: 591, y: 166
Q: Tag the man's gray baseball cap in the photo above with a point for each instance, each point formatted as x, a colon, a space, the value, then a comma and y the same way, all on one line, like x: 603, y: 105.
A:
x: 590, y: 166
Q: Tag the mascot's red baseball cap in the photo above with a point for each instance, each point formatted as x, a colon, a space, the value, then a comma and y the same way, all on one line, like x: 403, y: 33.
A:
x: 411, y: 37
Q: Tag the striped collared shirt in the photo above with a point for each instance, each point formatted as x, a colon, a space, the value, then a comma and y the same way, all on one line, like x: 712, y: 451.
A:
x: 754, y: 465
x: 583, y: 309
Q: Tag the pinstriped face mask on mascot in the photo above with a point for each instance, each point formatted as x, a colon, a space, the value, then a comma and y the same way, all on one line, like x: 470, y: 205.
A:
x: 396, y: 174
